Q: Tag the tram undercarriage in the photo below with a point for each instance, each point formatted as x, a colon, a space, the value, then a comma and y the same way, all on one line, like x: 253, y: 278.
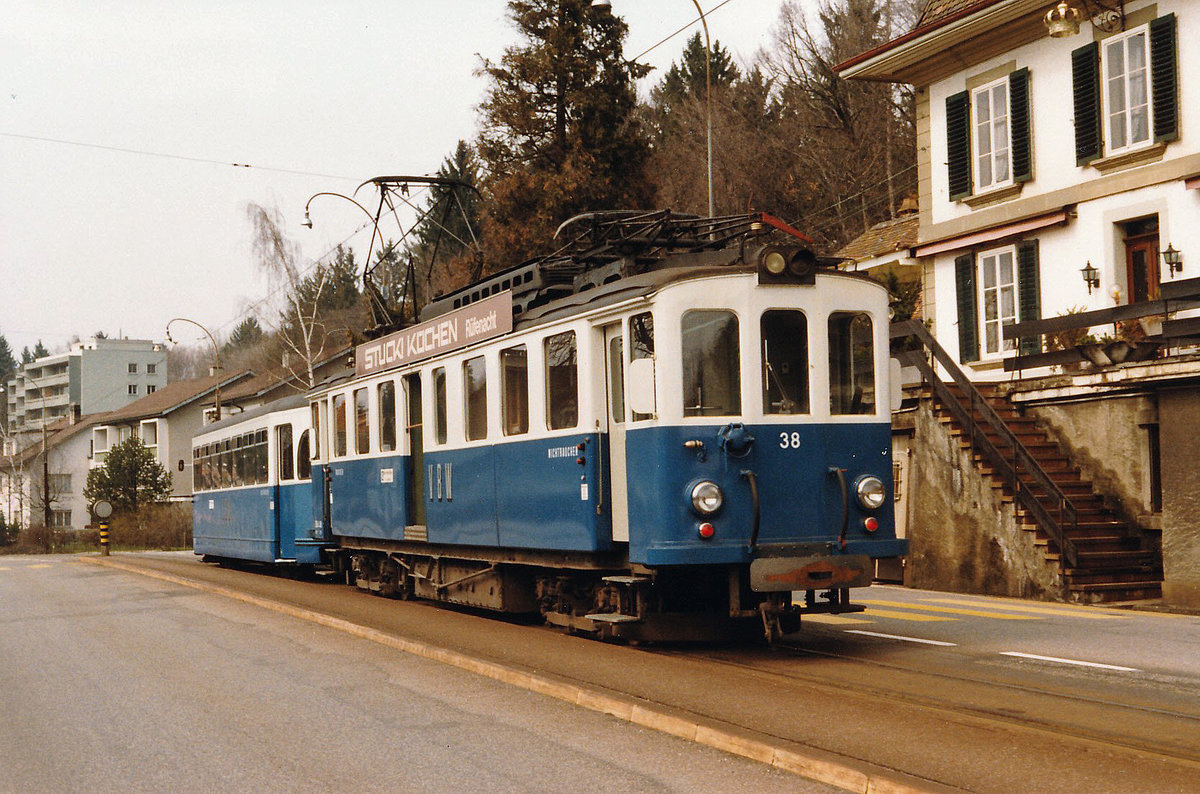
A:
x: 616, y: 602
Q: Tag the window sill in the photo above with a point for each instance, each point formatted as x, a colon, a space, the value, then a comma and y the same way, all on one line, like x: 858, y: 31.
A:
x: 1119, y: 162
x: 993, y: 196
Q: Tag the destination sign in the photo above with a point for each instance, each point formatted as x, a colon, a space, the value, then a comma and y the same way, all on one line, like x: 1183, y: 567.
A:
x: 476, y: 322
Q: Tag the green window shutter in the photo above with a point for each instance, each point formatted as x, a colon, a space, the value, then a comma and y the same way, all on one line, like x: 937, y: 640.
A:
x: 958, y: 144
x: 968, y: 325
x: 1018, y: 115
x: 1085, y: 76
x: 1029, y: 292
x: 1164, y: 81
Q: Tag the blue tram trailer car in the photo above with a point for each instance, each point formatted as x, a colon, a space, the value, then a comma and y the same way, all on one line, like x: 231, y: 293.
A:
x: 252, y: 487
x: 667, y: 452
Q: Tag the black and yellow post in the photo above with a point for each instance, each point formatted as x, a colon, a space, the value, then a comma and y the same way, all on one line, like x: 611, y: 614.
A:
x: 101, y: 510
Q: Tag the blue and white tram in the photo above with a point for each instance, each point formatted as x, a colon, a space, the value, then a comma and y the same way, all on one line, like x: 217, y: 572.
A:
x: 252, y: 487
x: 665, y: 455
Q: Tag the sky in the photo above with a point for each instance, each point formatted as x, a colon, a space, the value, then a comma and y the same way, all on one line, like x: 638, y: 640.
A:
x: 126, y: 129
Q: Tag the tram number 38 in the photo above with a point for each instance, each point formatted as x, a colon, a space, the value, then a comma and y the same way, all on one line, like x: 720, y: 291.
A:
x: 789, y: 440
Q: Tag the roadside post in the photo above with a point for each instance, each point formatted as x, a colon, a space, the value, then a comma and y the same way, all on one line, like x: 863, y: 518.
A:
x: 101, y: 509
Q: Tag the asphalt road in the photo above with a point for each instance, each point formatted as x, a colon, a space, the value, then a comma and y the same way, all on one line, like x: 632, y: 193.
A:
x: 111, y: 682
x: 921, y: 688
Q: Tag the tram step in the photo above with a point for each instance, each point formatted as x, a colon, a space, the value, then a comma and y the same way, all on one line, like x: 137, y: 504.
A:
x: 626, y: 579
x: 613, y: 617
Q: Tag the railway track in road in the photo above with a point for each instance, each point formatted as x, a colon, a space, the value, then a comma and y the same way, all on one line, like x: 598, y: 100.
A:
x: 869, y: 717
x: 1140, y: 727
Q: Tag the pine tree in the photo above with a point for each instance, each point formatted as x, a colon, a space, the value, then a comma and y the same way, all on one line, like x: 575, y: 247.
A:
x: 560, y: 134
x: 8, y: 364
x: 130, y: 477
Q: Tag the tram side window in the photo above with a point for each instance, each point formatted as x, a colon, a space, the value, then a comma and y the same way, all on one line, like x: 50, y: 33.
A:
x: 303, y: 456
x: 316, y: 427
x: 616, y: 379
x: 226, y: 477
x: 339, y: 425
x: 851, y: 364
x: 514, y: 385
x: 475, y: 395
x: 562, y: 381
x: 711, y: 378
x: 362, y: 423
x: 439, y: 404
x: 641, y: 345
x: 197, y: 470
x: 387, y: 416
x: 284, y: 453
x: 785, y: 362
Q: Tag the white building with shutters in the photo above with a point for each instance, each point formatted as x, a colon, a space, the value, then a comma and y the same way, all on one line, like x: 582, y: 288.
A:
x: 1058, y: 150
x: 1040, y: 156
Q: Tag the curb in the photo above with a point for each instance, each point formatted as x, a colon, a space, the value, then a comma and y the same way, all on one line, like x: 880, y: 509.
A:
x: 812, y: 766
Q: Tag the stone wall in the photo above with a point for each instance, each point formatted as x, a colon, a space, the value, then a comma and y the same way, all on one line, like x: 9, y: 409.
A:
x: 963, y: 534
x: 1179, y: 416
x: 1108, y: 439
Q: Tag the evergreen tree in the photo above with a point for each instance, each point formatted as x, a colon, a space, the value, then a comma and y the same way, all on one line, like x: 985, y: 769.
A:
x: 8, y: 364
x: 446, y: 244
x: 130, y: 477
x: 560, y: 134
x: 686, y: 79
x: 39, y: 350
x: 26, y: 355
x: 246, y: 334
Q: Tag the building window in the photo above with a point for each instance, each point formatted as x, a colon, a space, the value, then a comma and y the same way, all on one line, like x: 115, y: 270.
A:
x: 997, y: 298
x: 988, y: 141
x: 60, y: 484
x: 993, y: 289
x: 151, y: 369
x: 151, y: 388
x: 1126, y: 91
x: 991, y: 136
x: 133, y: 368
x: 133, y: 388
x: 61, y: 519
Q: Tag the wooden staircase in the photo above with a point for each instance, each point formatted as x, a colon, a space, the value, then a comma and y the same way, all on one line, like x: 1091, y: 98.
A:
x: 1113, y: 559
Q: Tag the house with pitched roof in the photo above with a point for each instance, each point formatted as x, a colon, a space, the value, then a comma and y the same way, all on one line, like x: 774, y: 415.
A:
x: 1058, y: 150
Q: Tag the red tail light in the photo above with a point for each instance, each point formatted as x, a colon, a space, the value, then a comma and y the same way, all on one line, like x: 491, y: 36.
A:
x: 706, y: 530
x: 870, y: 523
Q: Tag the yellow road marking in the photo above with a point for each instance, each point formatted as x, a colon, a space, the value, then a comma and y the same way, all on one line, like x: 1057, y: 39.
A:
x: 42, y: 565
x: 832, y: 620
x: 977, y: 613
x: 1092, y: 614
x: 887, y: 613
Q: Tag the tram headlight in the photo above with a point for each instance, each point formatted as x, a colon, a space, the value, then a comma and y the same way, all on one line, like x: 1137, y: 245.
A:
x: 774, y: 262
x: 707, y: 497
x: 870, y: 492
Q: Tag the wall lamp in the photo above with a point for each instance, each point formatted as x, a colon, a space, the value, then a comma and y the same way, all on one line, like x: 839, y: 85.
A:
x: 1172, y: 259
x: 1091, y: 276
x: 1063, y: 20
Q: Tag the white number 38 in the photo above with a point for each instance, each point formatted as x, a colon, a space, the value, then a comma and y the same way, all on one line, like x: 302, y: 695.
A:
x: 789, y: 441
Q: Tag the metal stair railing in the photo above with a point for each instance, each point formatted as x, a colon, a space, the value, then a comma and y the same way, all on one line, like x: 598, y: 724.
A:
x: 1011, y: 461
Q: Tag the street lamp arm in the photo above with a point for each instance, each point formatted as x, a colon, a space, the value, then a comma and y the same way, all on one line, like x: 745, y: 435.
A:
x: 367, y: 212
x: 216, y: 357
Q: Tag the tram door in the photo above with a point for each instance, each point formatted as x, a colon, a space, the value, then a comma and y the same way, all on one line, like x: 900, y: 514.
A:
x: 614, y: 356
x: 416, y: 446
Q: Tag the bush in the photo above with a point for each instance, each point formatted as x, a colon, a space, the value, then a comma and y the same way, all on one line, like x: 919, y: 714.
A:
x: 155, y: 526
